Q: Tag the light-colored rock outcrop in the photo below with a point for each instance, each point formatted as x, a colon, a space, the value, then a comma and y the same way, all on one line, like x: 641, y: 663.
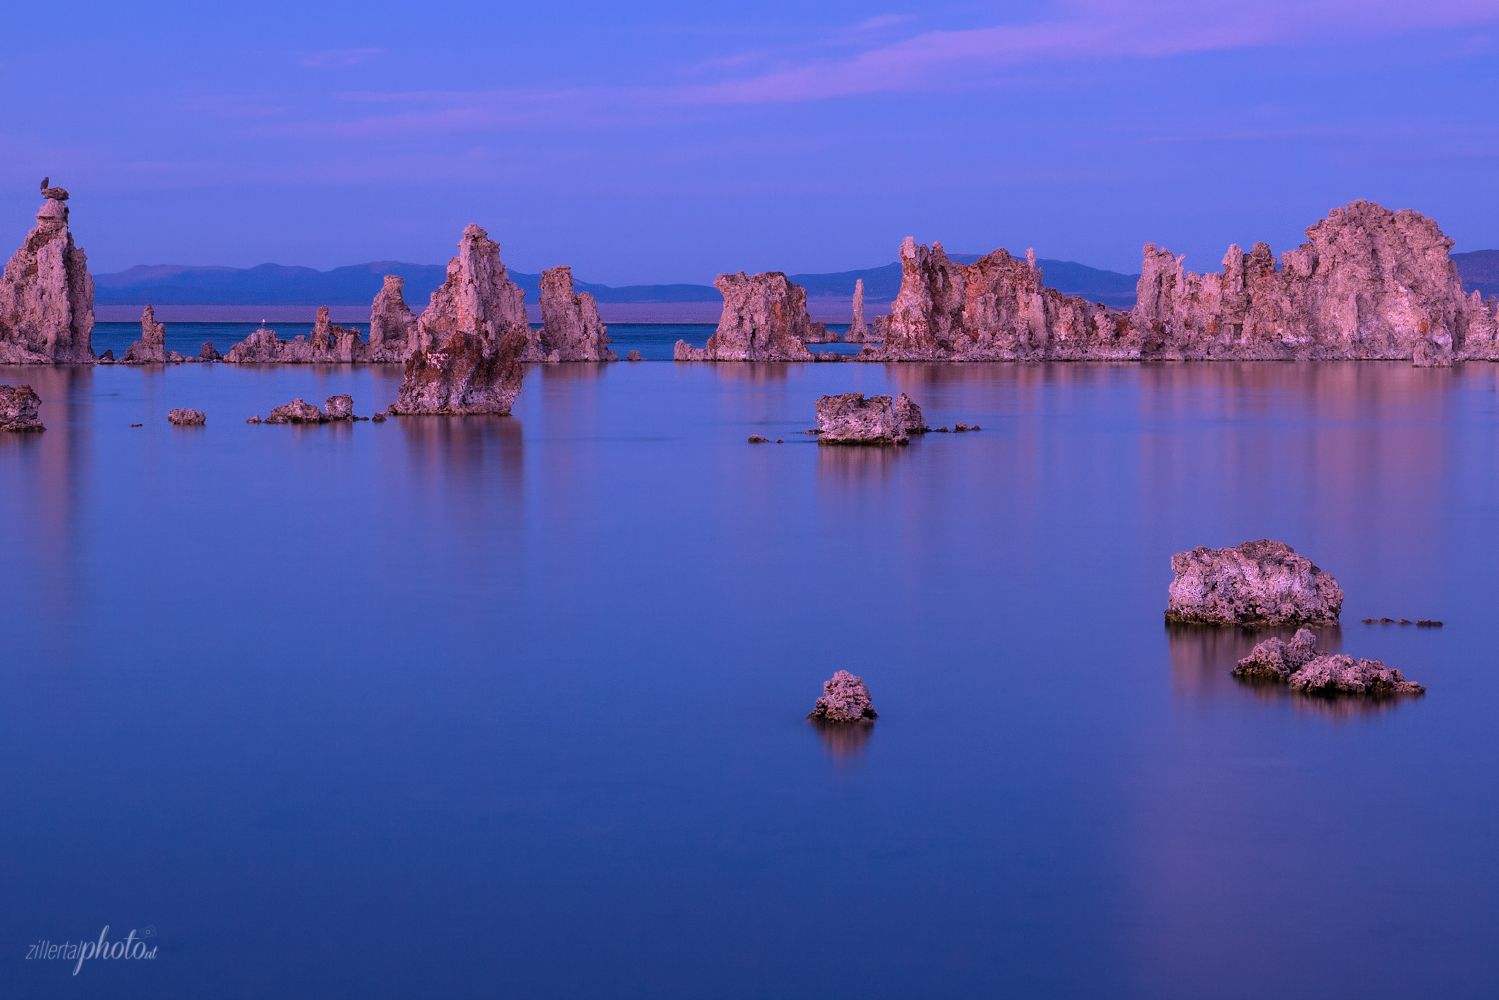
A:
x: 1370, y: 283
x: 852, y: 419
x: 47, y: 294
x: 1342, y: 674
x: 327, y: 344
x: 1262, y: 582
x: 1297, y: 664
x: 152, y: 347
x: 570, y: 326
x: 187, y: 418
x: 19, y: 409
x: 858, y: 332
x: 1277, y: 659
x: 764, y: 319
x: 299, y: 411
x: 478, y: 298
x: 845, y: 698
x: 392, y: 326
x: 466, y: 375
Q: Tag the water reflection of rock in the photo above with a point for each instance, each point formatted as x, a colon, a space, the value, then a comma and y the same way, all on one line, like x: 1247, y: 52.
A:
x: 859, y: 463
x: 844, y: 741
x: 468, y: 444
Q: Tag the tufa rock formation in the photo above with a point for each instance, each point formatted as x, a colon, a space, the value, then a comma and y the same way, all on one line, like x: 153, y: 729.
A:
x: 209, y: 353
x: 18, y: 409
x: 764, y: 319
x: 327, y: 344
x: 845, y: 698
x: 1297, y: 665
x: 46, y: 294
x: 336, y: 409
x: 858, y: 333
x: 570, y: 326
x: 1342, y: 674
x: 187, y: 418
x: 466, y: 375
x: 1369, y: 283
x: 392, y: 327
x: 478, y: 298
x: 152, y: 347
x: 852, y: 419
x: 1261, y: 582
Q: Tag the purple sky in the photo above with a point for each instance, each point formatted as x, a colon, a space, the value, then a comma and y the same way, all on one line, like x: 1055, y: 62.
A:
x: 670, y: 141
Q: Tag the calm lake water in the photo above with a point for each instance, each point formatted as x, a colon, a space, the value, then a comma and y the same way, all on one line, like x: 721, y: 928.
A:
x: 515, y: 706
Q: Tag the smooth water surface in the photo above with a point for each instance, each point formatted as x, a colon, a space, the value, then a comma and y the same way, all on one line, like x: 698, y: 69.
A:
x: 516, y: 706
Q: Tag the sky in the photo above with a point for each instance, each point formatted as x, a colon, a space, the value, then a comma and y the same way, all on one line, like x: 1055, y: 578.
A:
x: 670, y: 141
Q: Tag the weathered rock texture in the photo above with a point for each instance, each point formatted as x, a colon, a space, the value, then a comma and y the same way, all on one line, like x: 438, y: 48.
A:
x: 478, y: 298
x: 18, y: 409
x: 152, y: 347
x: 298, y: 411
x: 187, y: 418
x: 858, y: 332
x: 47, y: 294
x: 570, y: 326
x: 1277, y: 659
x: 209, y: 353
x: 1369, y: 283
x: 466, y: 375
x: 1342, y: 674
x: 1263, y: 582
x: 1297, y: 664
x: 327, y: 344
x: 845, y: 698
x: 764, y: 319
x: 852, y: 419
x: 392, y: 326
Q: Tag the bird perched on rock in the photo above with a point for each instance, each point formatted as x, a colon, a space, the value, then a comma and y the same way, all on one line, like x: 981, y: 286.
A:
x: 46, y: 183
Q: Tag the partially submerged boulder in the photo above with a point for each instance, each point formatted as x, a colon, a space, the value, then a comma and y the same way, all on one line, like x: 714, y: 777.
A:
x: 1342, y: 674
x: 298, y: 411
x: 1277, y: 659
x: 465, y: 376
x: 18, y: 409
x: 850, y: 418
x: 1261, y: 582
x: 570, y: 326
x: 47, y: 294
x: 187, y: 418
x: 845, y: 698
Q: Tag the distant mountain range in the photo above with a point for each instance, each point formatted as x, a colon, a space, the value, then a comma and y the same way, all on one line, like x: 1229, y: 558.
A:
x: 357, y: 284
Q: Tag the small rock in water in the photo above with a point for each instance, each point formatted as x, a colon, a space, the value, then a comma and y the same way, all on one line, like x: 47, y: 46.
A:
x: 1371, y: 621
x: 1404, y: 621
x: 1263, y: 582
x: 852, y: 419
x: 137, y: 425
x: 757, y: 439
x: 1277, y: 659
x: 378, y: 418
x: 1342, y: 674
x: 108, y: 355
x: 780, y: 440
x: 18, y: 409
x: 1428, y: 623
x: 208, y: 352
x: 186, y: 417
x: 1387, y: 621
x: 339, y: 407
x: 633, y: 356
x: 845, y: 698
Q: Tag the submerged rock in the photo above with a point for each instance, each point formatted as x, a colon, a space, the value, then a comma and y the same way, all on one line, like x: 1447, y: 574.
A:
x: 152, y: 347
x: 845, y: 698
x: 764, y: 319
x: 1277, y: 659
x: 570, y: 326
x: 47, y: 294
x: 850, y: 418
x: 1262, y: 582
x: 465, y: 376
x: 858, y: 332
x: 187, y: 418
x: 1342, y: 674
x: 19, y: 407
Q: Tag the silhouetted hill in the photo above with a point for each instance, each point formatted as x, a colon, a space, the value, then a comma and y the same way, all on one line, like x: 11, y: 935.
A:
x: 1479, y: 270
x: 357, y: 284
